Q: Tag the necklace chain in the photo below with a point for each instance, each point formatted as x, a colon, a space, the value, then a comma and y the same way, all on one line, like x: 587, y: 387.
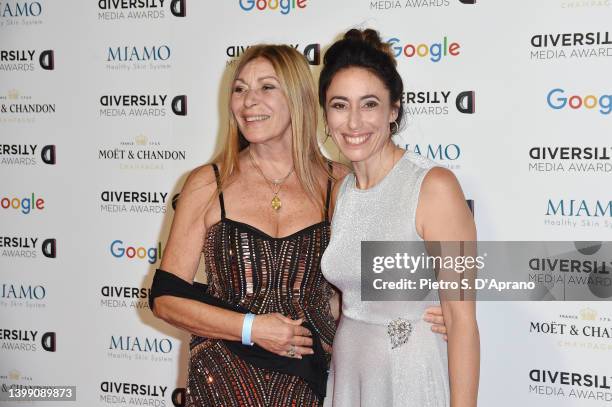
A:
x: 275, y: 184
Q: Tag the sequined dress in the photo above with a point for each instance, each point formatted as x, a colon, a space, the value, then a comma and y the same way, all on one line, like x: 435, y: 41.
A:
x: 366, y: 369
x: 263, y: 274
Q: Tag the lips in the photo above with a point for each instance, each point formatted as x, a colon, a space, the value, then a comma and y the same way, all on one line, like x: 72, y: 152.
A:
x: 356, y: 140
x: 254, y: 119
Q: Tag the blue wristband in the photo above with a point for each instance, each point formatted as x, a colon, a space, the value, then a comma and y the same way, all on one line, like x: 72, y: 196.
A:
x: 247, y: 326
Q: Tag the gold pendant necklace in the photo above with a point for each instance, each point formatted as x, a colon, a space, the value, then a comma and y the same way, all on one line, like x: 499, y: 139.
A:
x: 275, y: 184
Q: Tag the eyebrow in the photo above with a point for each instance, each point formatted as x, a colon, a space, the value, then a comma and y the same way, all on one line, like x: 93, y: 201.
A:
x: 361, y: 98
x: 259, y: 79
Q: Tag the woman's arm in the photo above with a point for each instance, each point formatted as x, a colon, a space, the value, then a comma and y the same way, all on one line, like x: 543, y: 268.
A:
x: 443, y: 215
x: 273, y: 332
x: 181, y: 258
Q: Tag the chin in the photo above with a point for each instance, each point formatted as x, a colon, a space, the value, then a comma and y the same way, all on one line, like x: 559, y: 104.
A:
x: 355, y: 155
x: 256, y: 136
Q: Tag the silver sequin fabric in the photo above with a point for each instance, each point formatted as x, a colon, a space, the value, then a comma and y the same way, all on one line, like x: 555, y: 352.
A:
x: 367, y: 370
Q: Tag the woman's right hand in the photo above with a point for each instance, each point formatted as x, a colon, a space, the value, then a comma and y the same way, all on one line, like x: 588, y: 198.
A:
x: 281, y: 335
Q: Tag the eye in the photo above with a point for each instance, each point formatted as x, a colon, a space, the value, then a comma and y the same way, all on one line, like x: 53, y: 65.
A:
x: 268, y: 87
x: 371, y: 104
x: 239, y: 89
x: 338, y: 106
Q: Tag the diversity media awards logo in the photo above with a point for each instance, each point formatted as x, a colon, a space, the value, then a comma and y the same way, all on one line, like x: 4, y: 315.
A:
x: 570, y: 159
x: 439, y: 102
x: 124, y: 297
x: 571, y: 45
x: 150, y: 105
x: 27, y: 154
x: 26, y: 60
x: 145, y: 394
x: 570, y: 385
x: 312, y: 52
x: 27, y: 340
x: 27, y: 247
x: 133, y: 202
x: 112, y: 10
x: 383, y: 5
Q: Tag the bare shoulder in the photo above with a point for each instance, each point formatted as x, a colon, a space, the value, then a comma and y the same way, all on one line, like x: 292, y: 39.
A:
x: 198, y: 190
x: 438, y: 181
x: 200, y: 180
x: 442, y: 212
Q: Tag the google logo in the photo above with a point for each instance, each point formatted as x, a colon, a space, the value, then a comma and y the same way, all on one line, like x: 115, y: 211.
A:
x: 26, y: 205
x: 557, y: 99
x: 285, y: 6
x: 435, y: 51
x: 152, y: 254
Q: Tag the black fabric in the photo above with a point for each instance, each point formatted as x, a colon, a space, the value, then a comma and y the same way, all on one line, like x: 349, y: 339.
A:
x: 221, y: 203
x: 311, y: 368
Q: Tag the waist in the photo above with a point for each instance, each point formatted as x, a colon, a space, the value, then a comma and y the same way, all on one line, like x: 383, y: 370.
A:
x: 381, y: 312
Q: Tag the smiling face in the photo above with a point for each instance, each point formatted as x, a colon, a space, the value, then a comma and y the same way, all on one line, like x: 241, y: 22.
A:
x: 259, y: 104
x: 359, y: 113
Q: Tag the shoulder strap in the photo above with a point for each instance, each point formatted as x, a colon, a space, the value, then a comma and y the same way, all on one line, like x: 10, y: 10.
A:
x: 221, y: 203
x: 328, y: 195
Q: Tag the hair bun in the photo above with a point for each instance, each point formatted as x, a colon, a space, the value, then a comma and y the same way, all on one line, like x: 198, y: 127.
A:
x: 370, y: 37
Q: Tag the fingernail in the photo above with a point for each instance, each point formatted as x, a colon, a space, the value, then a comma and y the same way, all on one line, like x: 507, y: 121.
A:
x: 427, y: 318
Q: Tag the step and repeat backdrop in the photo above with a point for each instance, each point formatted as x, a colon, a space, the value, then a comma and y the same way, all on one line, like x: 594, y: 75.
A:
x: 106, y: 105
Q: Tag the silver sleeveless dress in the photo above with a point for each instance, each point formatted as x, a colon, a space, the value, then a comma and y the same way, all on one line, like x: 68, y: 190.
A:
x: 366, y: 370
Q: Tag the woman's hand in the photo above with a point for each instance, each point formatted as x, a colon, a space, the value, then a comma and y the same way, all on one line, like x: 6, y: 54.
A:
x: 434, y: 316
x: 281, y: 335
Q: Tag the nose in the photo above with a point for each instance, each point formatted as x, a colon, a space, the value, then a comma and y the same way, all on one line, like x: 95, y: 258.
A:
x: 250, y: 98
x: 354, y: 119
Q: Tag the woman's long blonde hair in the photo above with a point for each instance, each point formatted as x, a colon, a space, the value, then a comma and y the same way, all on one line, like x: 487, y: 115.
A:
x: 296, y: 81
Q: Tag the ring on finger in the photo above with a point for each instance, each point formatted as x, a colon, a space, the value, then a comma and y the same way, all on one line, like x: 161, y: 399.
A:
x: 291, y: 351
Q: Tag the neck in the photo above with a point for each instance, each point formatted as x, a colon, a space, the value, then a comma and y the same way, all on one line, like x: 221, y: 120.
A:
x: 274, y: 158
x: 373, y: 169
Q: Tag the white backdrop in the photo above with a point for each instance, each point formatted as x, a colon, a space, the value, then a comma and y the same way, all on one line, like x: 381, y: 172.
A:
x: 73, y: 309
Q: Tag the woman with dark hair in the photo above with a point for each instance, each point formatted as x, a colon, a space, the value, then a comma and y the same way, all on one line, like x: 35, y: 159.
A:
x: 393, y: 195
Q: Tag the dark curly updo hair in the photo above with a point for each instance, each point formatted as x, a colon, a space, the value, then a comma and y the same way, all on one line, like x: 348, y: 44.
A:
x: 363, y: 49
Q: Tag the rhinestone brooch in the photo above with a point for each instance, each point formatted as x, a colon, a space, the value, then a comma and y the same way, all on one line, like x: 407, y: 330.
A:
x: 399, y: 331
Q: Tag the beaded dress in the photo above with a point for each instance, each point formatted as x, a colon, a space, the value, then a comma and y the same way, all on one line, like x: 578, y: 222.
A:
x: 247, y: 267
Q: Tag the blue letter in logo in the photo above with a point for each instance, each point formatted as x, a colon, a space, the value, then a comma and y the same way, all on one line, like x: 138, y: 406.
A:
x: 561, y: 101
x: 249, y: 4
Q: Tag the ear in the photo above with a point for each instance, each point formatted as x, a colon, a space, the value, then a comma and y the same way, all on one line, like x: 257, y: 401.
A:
x: 394, y: 111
